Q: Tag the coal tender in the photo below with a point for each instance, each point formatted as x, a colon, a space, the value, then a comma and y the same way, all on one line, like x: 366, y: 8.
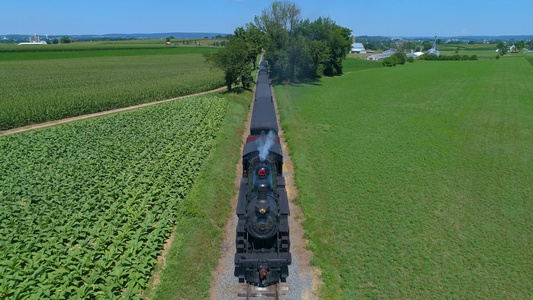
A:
x: 263, y: 244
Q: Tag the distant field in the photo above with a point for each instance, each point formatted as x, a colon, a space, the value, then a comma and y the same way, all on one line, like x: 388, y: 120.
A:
x: 483, y: 51
x: 416, y: 180
x: 38, y: 90
x: 108, y: 45
x: 96, y: 52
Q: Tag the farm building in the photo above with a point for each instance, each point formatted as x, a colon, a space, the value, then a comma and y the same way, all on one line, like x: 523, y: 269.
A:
x: 414, y: 54
x: 383, y: 55
x: 36, y: 41
x: 433, y: 49
x: 358, y: 48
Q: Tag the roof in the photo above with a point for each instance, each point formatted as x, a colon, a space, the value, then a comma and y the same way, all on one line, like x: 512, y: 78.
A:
x: 254, y: 147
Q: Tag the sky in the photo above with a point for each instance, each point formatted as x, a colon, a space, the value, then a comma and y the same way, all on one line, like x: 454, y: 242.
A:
x: 383, y: 17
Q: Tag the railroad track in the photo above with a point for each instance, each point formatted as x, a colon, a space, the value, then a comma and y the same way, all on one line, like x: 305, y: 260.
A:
x: 248, y: 291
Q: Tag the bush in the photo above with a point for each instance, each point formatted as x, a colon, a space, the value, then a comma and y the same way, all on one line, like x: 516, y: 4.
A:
x: 401, y: 57
x: 411, y: 59
x: 390, y: 61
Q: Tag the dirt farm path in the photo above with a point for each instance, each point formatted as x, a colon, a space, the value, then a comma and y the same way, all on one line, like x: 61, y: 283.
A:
x: 102, y: 113
x: 304, y: 280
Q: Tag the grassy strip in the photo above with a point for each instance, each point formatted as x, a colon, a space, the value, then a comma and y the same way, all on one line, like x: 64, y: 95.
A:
x: 36, y: 91
x: 416, y: 181
x: 194, y: 253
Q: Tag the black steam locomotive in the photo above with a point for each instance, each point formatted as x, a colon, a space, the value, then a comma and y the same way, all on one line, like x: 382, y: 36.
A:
x: 263, y: 244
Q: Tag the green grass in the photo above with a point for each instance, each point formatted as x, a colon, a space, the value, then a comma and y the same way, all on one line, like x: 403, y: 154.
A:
x: 33, y: 91
x: 85, y: 206
x: 416, y: 180
x: 196, y: 248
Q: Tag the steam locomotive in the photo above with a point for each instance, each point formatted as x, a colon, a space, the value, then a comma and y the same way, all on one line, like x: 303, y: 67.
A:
x: 262, y: 241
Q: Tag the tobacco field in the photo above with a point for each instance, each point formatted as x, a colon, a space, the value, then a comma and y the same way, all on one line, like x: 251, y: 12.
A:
x: 85, y: 207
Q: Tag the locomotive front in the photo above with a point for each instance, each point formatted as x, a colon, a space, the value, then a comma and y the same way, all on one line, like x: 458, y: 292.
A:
x: 262, y: 239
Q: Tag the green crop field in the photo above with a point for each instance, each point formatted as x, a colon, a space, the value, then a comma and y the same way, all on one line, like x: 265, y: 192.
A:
x: 483, y: 51
x: 416, y: 181
x: 97, y: 52
x: 38, y: 90
x: 110, y: 45
x: 85, y: 206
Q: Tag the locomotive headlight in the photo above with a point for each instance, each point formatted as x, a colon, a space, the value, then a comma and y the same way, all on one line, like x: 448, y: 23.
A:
x: 262, y: 211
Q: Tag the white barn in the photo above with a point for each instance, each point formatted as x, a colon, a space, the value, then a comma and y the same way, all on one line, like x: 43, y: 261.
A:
x: 358, y: 48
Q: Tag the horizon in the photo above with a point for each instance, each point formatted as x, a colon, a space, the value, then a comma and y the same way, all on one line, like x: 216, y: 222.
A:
x: 223, y: 33
x: 388, y: 18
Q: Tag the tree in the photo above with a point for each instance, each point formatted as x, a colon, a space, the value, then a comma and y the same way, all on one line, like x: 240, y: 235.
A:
x: 339, y: 44
x: 427, y: 45
x: 65, y: 40
x: 301, y: 49
x: 279, y: 23
x: 520, y: 45
x: 390, y: 61
x: 401, y: 58
x: 502, y: 48
x: 253, y: 39
x: 232, y: 60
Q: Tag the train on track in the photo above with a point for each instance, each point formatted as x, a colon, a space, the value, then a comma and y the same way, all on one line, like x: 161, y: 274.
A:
x: 263, y: 246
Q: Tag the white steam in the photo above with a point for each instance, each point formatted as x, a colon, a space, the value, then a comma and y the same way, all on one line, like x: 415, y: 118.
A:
x: 264, y: 143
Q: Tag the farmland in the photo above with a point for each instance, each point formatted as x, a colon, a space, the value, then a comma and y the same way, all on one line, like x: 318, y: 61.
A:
x: 85, y: 206
x: 415, y: 181
x: 39, y: 86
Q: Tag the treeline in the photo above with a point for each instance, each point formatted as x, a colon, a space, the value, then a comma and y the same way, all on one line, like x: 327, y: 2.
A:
x: 296, y: 49
x: 447, y: 57
x: 400, y: 58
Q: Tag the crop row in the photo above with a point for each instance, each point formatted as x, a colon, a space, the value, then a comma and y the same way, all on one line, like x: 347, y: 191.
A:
x: 34, y: 91
x: 85, y: 207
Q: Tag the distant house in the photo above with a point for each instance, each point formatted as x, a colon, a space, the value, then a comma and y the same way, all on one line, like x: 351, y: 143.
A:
x: 513, y: 49
x: 358, y: 48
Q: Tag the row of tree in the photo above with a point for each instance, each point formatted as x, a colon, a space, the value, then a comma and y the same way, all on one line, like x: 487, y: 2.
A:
x: 296, y: 49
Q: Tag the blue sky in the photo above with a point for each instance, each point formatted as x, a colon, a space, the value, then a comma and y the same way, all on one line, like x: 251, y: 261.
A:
x: 383, y: 17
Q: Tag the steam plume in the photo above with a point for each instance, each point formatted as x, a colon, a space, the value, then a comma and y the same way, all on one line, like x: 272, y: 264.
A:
x: 264, y: 143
